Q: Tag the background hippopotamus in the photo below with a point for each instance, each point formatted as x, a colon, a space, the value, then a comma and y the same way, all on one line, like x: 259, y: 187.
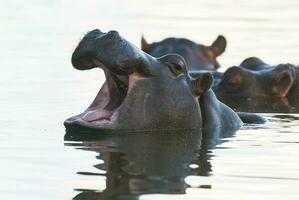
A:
x: 197, y: 56
x: 259, y: 83
x: 255, y: 78
x: 142, y: 92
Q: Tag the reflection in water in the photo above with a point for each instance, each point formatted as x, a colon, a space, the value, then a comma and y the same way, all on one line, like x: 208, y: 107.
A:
x: 148, y: 163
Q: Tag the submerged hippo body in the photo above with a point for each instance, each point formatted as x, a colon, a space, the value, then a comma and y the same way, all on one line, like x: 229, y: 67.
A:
x: 145, y: 93
x: 259, y: 85
x: 197, y: 56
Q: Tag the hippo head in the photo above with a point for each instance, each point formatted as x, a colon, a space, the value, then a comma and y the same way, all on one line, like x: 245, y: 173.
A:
x: 140, y: 92
x: 268, y: 82
x: 197, y: 56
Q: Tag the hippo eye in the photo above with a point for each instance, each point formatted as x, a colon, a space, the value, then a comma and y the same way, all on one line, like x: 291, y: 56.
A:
x: 175, y: 63
x: 176, y: 69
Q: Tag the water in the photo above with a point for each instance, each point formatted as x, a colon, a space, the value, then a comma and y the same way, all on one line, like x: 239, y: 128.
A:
x: 40, y: 89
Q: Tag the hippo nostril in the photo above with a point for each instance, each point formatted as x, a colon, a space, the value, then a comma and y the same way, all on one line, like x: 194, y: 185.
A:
x: 113, y: 33
x: 110, y: 35
x: 96, y: 31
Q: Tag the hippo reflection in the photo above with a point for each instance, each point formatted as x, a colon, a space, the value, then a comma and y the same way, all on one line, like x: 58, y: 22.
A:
x: 197, y: 56
x: 148, y: 163
x: 142, y: 92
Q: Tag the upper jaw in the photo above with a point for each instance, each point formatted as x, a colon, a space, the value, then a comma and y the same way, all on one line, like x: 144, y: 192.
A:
x: 95, y: 47
x: 109, y: 50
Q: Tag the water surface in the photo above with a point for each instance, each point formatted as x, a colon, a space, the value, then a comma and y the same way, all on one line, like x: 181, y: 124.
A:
x: 40, y: 89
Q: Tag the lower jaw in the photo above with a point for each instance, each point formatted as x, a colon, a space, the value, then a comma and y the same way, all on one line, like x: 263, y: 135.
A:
x: 98, y: 113
x: 80, y: 124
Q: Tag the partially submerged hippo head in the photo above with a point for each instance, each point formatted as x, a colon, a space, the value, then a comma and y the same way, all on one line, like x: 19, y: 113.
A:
x: 255, y: 64
x: 197, y: 56
x: 140, y: 92
x: 254, y: 78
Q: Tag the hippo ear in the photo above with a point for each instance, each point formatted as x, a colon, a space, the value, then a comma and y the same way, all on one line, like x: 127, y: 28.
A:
x: 146, y: 47
x: 283, y: 83
x: 218, y: 46
x: 202, y: 84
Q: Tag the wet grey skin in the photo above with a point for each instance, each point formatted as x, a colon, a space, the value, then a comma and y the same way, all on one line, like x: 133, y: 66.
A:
x: 197, y: 56
x: 259, y: 104
x: 142, y: 92
x: 255, y: 78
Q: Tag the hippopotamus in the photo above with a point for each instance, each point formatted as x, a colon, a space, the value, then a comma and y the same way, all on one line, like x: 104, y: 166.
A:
x: 254, y: 78
x: 197, y: 56
x: 261, y: 86
x: 142, y: 92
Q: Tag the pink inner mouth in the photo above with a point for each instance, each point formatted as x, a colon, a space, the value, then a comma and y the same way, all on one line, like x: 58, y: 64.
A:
x: 97, y: 115
x: 107, y: 101
x: 96, y: 111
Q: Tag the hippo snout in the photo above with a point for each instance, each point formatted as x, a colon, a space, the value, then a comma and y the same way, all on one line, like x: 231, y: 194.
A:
x: 110, y: 37
x: 83, y: 56
x: 94, y: 33
x: 113, y: 33
x: 107, y: 51
x: 83, y: 62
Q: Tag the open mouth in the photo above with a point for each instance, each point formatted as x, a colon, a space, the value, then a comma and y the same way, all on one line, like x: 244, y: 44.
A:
x: 105, y: 106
